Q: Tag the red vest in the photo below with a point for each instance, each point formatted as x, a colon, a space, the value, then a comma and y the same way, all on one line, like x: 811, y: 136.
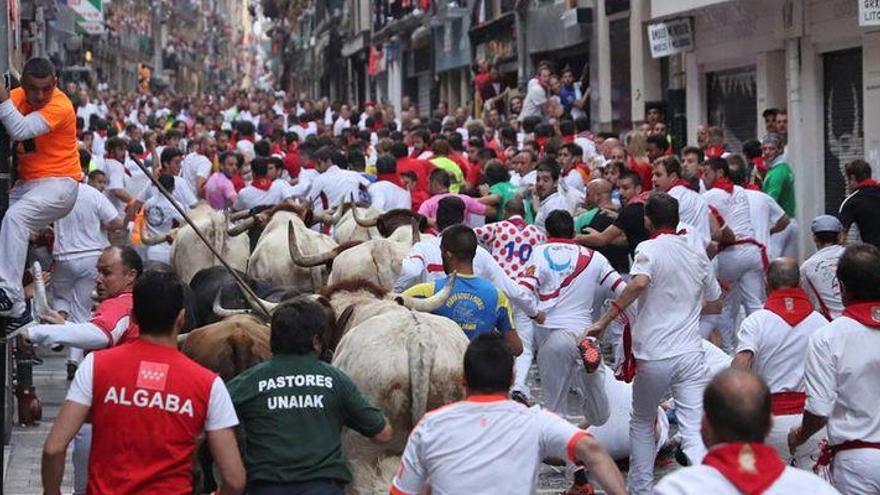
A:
x: 149, y: 404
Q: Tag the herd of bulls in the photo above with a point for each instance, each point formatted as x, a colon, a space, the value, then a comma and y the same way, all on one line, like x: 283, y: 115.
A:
x: 402, y: 358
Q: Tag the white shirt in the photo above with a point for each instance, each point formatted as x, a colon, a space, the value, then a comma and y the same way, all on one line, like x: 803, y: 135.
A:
x: 568, y: 279
x: 734, y: 209
x: 181, y: 193
x: 160, y: 215
x: 304, y: 183
x: 693, y: 210
x: 702, y: 479
x: 250, y: 196
x: 115, y: 180
x: 79, y: 233
x: 386, y: 196
x: 424, y: 263
x: 193, y: 167
x: 779, y: 349
x: 220, y: 414
x: 668, y: 316
x: 841, y: 378
x: 135, y: 180
x: 533, y: 103
x: 819, y: 280
x: 523, y: 181
x: 304, y: 132
x: 551, y: 203
x: 469, y: 446
x: 339, y: 125
x: 335, y: 186
x: 764, y: 212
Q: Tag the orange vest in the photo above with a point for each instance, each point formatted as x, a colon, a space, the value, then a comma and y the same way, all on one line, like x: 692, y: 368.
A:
x: 53, y: 154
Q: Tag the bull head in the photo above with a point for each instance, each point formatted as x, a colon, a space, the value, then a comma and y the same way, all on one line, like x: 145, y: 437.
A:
x: 428, y: 304
x: 152, y: 240
x: 305, y: 260
x: 364, y: 221
x: 241, y: 227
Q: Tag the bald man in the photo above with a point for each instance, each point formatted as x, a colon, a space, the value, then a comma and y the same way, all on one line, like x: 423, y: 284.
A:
x: 773, y: 343
x: 736, y: 421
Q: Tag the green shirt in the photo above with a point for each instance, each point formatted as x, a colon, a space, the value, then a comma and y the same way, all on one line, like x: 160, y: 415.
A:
x: 292, y: 409
x: 584, y: 219
x: 456, y: 177
x: 779, y: 184
x: 506, y: 191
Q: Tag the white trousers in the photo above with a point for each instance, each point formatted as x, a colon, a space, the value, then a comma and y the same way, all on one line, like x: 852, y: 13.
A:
x: 805, y: 455
x: 82, y: 445
x: 687, y: 376
x: 561, y: 369
x: 786, y: 243
x: 525, y: 327
x: 72, y: 284
x: 857, y: 472
x: 33, y: 205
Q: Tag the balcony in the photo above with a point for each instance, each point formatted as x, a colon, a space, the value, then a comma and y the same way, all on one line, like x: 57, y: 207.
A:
x: 386, y: 12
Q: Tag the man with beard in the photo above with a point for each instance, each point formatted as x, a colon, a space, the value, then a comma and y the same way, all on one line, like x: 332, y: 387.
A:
x: 219, y: 190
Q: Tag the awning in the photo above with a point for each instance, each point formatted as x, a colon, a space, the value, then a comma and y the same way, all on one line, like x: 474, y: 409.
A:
x: 667, y: 7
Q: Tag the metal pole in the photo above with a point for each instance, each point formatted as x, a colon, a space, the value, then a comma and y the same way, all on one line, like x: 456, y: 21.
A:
x: 5, y: 396
x: 238, y: 280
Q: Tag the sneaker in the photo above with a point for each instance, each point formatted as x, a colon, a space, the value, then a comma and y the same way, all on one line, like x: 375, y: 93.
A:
x: 590, y: 354
x: 5, y: 302
x: 15, y: 326
x: 681, y: 457
x: 581, y: 485
x: 520, y: 397
x: 71, y: 370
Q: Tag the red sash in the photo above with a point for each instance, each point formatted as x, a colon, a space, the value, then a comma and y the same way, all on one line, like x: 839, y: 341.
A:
x: 792, y: 305
x: 822, y: 307
x: 765, y: 260
x: 751, y: 467
x: 826, y: 457
x: 785, y: 403
x: 583, y: 262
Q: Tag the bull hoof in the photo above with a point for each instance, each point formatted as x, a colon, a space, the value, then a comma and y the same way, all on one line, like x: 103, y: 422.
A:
x: 30, y: 411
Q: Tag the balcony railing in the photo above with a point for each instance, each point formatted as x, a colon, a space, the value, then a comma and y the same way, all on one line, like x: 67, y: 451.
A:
x: 388, y: 11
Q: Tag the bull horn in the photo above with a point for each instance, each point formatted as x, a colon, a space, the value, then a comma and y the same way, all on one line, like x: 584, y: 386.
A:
x: 416, y: 234
x: 337, y: 215
x: 270, y: 306
x: 152, y: 240
x: 302, y: 260
x: 364, y: 222
x: 322, y: 217
x: 239, y: 215
x: 429, y: 304
x: 222, y: 312
x: 181, y: 338
x: 241, y: 227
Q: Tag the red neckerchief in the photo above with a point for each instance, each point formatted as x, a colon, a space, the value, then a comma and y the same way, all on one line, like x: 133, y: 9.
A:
x: 724, y: 184
x: 751, y: 467
x: 391, y: 177
x: 568, y: 139
x: 681, y: 182
x: 867, y: 183
x: 752, y: 187
x: 866, y: 313
x: 658, y: 232
x: 639, y: 199
x: 541, y: 141
x: 262, y: 183
x: 792, y: 305
x: 714, y: 151
x: 560, y: 240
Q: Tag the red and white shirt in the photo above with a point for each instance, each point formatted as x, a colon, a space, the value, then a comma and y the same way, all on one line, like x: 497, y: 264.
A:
x: 510, y: 242
x: 568, y: 279
x: 113, y: 317
x: 483, y: 441
x: 819, y: 280
x: 162, y: 401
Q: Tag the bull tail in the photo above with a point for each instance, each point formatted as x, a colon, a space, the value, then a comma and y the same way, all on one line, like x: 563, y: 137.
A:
x: 421, y: 350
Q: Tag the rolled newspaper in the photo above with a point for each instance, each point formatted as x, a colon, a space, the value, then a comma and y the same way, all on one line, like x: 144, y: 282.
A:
x: 41, y: 302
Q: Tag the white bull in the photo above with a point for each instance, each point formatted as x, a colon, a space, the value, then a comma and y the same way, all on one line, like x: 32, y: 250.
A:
x: 346, y: 229
x: 271, y: 260
x: 189, y: 254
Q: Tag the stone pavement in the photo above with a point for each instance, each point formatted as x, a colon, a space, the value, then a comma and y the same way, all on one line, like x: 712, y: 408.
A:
x: 23, y: 456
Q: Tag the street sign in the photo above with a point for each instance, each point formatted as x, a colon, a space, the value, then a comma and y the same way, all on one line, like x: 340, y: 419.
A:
x: 869, y: 12
x: 671, y: 36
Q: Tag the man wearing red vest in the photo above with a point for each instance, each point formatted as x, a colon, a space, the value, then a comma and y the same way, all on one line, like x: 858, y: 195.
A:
x: 773, y: 343
x: 148, y: 404
x: 841, y: 378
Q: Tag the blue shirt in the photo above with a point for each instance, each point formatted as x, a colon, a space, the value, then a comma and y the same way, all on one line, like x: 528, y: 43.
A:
x: 475, y: 304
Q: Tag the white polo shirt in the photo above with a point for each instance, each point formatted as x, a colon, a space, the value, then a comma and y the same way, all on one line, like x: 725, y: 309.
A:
x: 779, y: 349
x: 334, y: 186
x: 251, y: 196
x: 734, y: 209
x: 693, y: 210
x: 79, y: 233
x: 668, y: 316
x: 819, y: 280
x: 482, y: 442
x: 568, y: 278
x: 702, y: 480
x: 841, y: 380
x: 551, y: 203
x: 388, y: 196
x: 764, y: 212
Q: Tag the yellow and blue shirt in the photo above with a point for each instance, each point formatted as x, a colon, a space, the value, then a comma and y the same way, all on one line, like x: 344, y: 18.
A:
x: 475, y: 304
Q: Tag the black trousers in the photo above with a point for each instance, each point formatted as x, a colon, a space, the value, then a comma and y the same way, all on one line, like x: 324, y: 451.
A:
x: 314, y: 487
